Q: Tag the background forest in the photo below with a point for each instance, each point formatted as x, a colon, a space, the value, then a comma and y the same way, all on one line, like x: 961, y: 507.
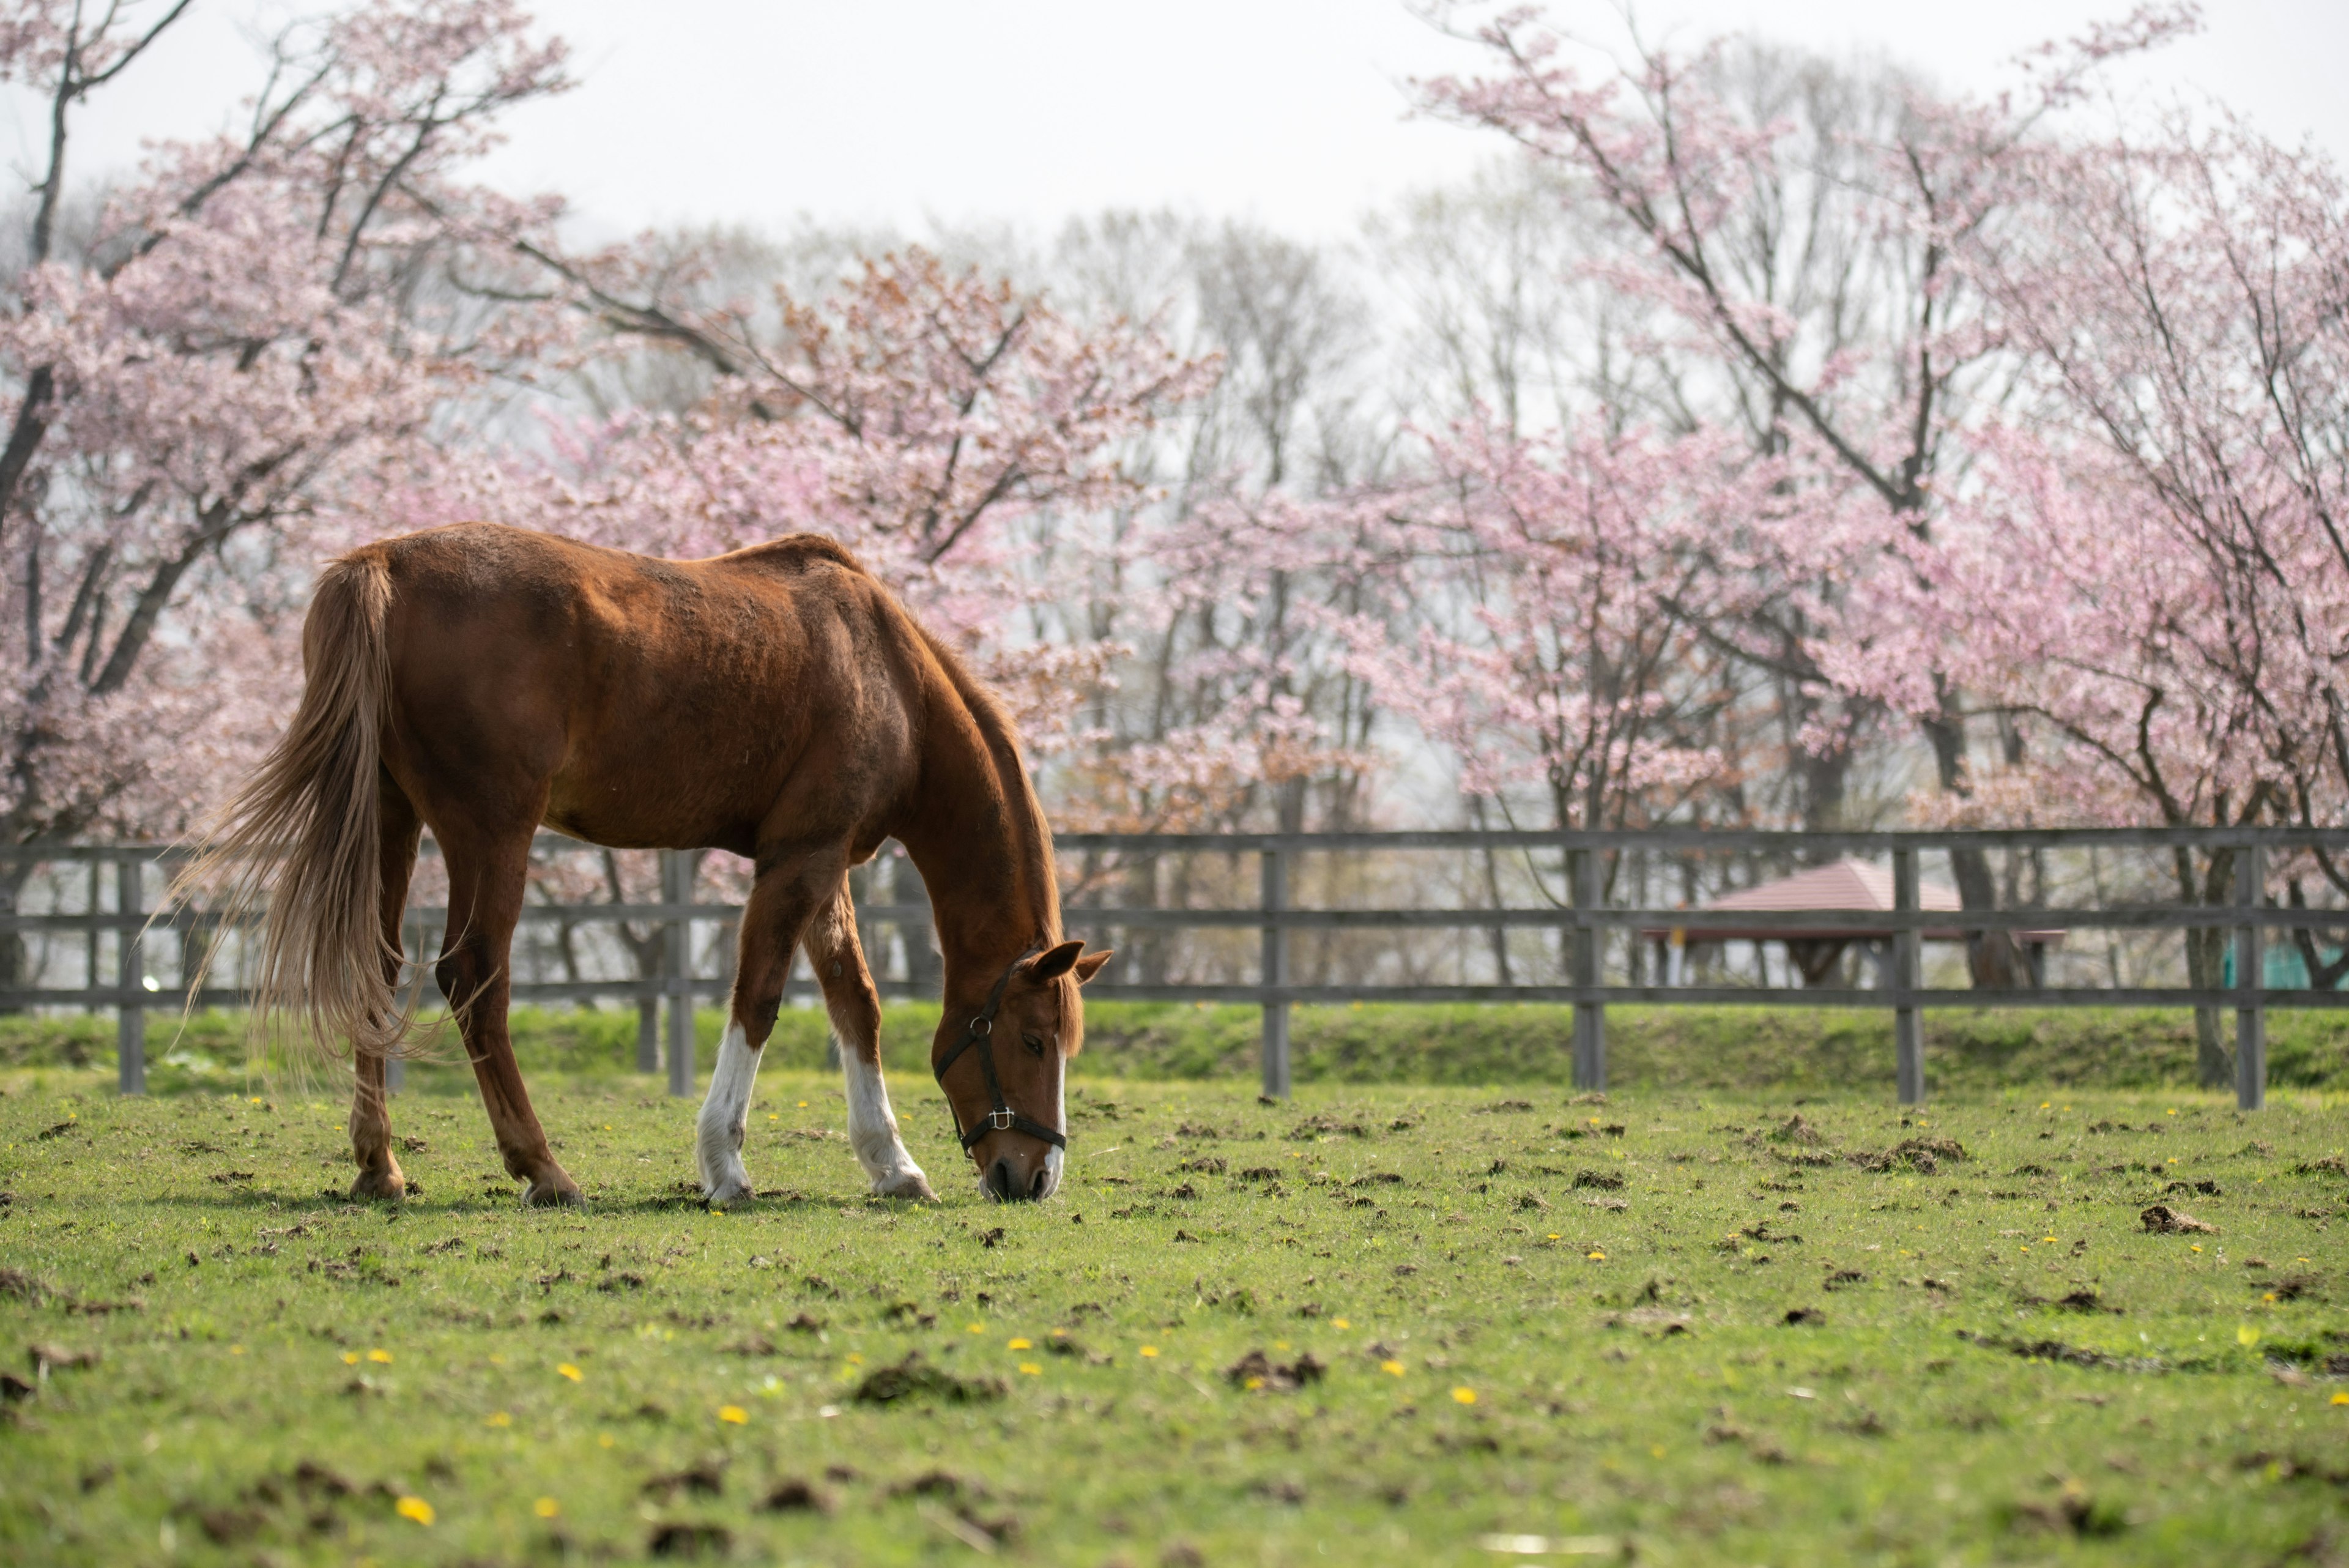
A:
x: 1763, y: 439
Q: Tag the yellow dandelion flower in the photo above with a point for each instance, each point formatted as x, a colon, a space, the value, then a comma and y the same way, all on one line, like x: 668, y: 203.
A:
x: 2047, y: 1238
x: 546, y: 1507
x: 733, y: 1415
x: 1596, y: 1256
x: 2269, y: 1298
x: 1339, y: 1322
x: 2341, y: 1398
x: 1556, y: 1237
x: 1391, y: 1368
x: 383, y: 1356
x: 802, y: 1104
x: 568, y: 1370
x: 1656, y: 1450
x: 1019, y: 1344
x: 1254, y: 1383
x: 1031, y: 1369
x: 979, y: 1328
x: 2173, y: 1110
x: 236, y: 1350
x: 350, y: 1359
x: 2197, y: 1247
x: 500, y: 1418
x: 854, y: 1359
x: 606, y: 1440
x: 2044, y: 1103
x: 1464, y: 1395
x: 1150, y: 1350
x: 414, y: 1508
x: 2247, y: 1336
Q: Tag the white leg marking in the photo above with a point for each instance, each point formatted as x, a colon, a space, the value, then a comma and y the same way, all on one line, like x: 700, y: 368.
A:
x: 725, y: 1115
x: 873, y: 1130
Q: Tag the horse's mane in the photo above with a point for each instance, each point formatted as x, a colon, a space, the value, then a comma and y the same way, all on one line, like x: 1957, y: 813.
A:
x: 1024, y: 813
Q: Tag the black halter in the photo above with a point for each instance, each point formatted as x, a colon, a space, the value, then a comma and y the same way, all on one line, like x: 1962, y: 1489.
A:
x: 1002, y: 1118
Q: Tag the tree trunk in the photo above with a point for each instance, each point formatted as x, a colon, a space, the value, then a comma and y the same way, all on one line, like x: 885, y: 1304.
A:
x: 14, y: 958
x: 2214, y: 1063
x: 1992, y: 961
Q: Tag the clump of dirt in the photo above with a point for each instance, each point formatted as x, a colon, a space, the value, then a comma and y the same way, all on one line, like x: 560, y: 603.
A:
x: 683, y: 1539
x: 1797, y: 1128
x: 1922, y: 1155
x: 1607, y: 1180
x: 795, y: 1496
x: 706, y: 1478
x: 24, y: 1287
x: 2074, y: 1510
x: 916, y: 1378
x: 2161, y: 1220
x: 2056, y: 1350
x: 1317, y: 1125
x: 1257, y: 1371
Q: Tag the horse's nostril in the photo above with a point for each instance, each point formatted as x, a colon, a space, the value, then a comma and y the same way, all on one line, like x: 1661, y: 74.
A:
x: 1000, y: 1179
x: 1036, y: 1188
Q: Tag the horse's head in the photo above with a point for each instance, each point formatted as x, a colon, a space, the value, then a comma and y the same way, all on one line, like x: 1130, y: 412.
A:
x: 1001, y: 1063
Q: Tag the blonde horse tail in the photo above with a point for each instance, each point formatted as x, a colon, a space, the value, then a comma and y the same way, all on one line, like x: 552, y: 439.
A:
x: 304, y: 829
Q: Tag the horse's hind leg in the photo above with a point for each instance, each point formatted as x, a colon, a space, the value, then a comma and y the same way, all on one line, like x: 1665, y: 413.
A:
x: 838, y: 959
x: 486, y: 875
x: 380, y: 1174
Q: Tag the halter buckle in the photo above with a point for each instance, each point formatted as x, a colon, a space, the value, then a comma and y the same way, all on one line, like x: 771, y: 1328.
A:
x: 982, y: 1027
x: 1000, y: 1120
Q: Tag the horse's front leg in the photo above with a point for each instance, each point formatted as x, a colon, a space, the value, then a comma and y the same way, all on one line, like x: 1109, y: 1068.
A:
x: 780, y: 905
x: 838, y: 959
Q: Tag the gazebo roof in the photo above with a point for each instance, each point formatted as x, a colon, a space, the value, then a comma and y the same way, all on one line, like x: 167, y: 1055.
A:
x: 1848, y: 883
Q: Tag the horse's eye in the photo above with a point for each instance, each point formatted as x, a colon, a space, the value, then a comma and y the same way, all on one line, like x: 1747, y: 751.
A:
x: 1035, y: 1046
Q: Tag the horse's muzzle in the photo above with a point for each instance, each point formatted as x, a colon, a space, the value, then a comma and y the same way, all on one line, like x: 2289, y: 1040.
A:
x: 1007, y: 1183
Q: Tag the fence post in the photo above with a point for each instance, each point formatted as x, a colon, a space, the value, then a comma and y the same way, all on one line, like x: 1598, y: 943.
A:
x: 1276, y: 972
x: 1907, y: 975
x: 1589, y: 1017
x: 130, y: 1014
x: 676, y: 888
x: 2250, y: 983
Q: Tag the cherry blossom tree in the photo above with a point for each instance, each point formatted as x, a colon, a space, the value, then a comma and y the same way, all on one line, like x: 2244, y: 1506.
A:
x: 210, y: 377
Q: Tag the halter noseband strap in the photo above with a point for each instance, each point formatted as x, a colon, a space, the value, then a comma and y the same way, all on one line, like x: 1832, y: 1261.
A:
x: 1002, y: 1118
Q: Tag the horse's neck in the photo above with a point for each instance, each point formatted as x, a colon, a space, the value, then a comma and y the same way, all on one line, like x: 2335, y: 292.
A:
x: 973, y: 837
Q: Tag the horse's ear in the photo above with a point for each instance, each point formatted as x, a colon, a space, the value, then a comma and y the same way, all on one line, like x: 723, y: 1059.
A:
x: 1054, y: 963
x: 1090, y: 964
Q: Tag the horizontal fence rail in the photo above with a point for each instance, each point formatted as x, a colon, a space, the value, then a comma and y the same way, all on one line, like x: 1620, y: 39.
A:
x: 1582, y: 923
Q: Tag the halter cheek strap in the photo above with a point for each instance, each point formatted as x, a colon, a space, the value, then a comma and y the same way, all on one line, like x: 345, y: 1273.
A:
x: 980, y: 1031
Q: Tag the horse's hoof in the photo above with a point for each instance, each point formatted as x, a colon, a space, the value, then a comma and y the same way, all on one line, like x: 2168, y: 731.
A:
x: 718, y: 1194
x: 910, y: 1184
x: 380, y: 1187
x: 557, y: 1192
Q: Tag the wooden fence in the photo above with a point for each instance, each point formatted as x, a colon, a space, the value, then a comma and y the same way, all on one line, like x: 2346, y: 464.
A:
x: 1580, y: 924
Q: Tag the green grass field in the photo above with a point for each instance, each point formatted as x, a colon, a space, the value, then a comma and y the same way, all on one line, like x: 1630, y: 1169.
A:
x: 1676, y: 1326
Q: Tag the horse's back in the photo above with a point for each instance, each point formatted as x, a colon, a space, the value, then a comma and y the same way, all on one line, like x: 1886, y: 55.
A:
x: 648, y: 702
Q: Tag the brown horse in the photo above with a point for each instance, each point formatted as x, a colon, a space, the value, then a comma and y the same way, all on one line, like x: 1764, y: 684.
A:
x: 777, y: 702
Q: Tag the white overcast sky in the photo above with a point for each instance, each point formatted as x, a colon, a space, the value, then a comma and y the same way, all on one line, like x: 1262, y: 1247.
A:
x: 1292, y: 112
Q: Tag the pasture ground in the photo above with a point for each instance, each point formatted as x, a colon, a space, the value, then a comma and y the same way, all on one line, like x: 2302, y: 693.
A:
x: 1671, y: 1327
